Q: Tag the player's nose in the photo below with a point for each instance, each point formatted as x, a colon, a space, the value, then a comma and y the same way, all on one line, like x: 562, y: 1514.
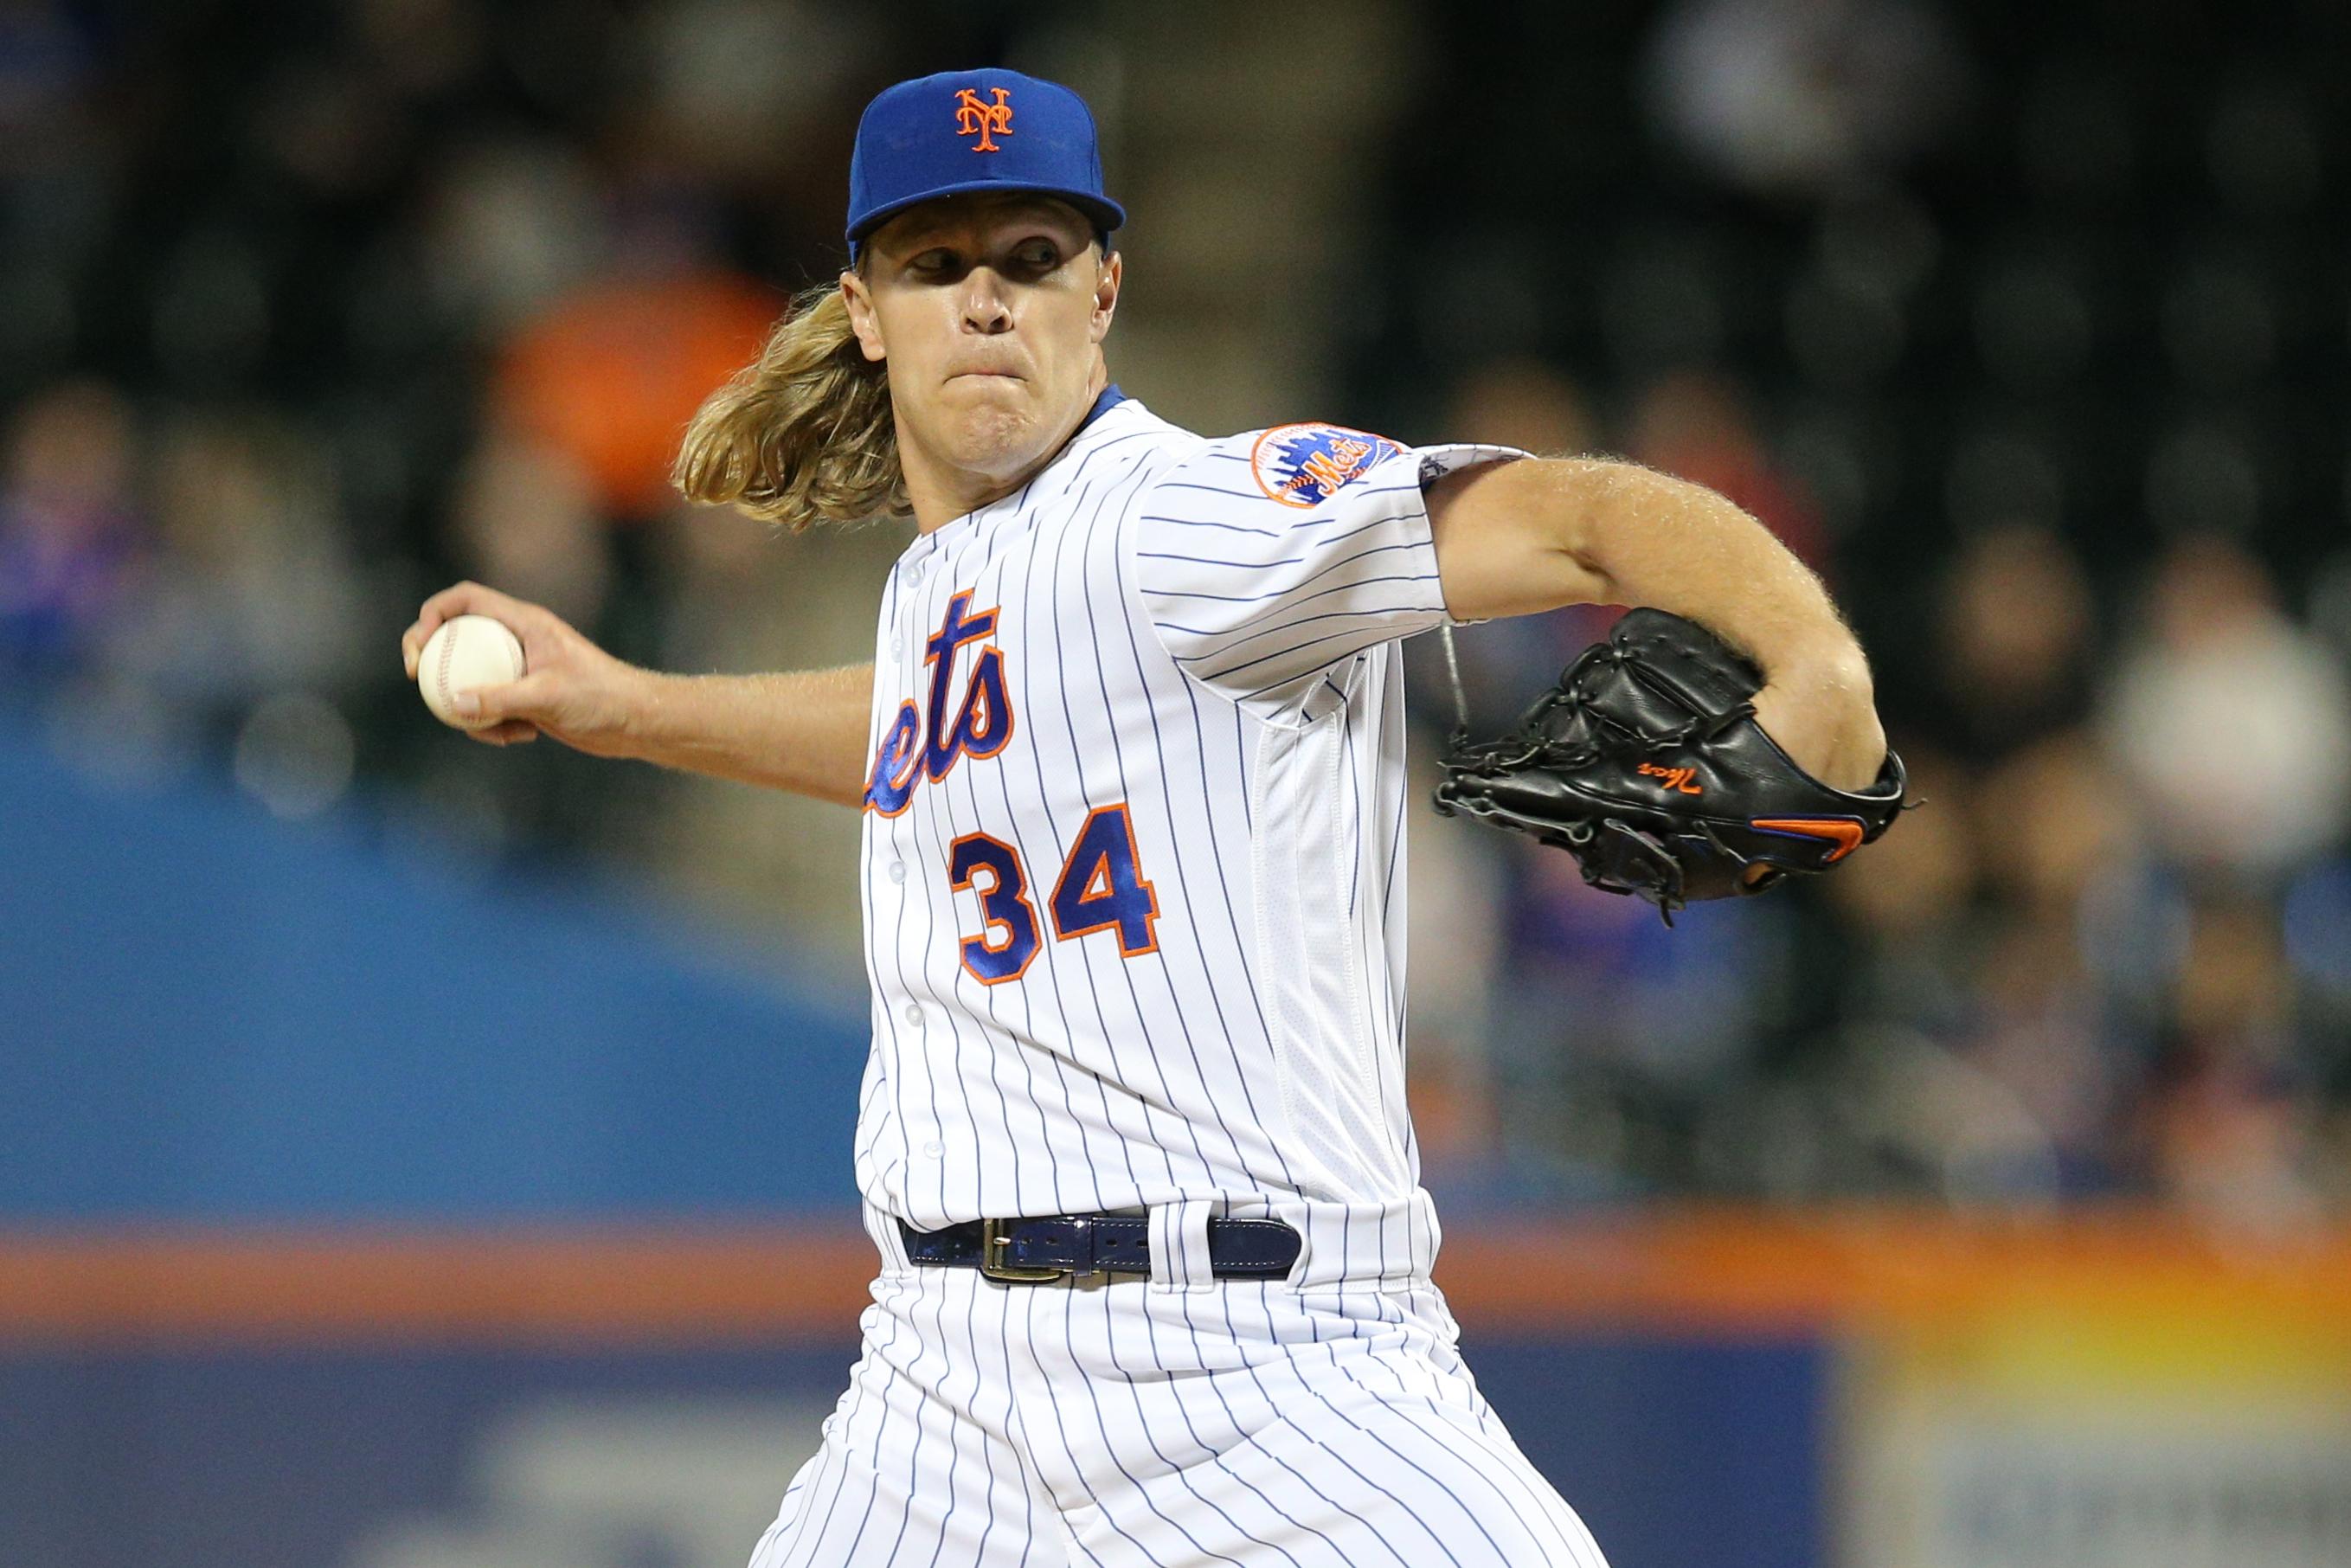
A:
x: 985, y: 308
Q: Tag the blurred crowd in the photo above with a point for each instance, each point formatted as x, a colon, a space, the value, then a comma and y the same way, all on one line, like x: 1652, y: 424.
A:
x: 2034, y: 344
x: 2039, y: 355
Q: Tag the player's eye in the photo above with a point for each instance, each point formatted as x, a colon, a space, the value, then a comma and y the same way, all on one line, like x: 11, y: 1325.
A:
x: 937, y: 260
x: 1037, y: 255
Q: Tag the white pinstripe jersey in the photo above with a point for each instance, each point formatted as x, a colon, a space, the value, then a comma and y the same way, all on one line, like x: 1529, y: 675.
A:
x: 1134, y: 829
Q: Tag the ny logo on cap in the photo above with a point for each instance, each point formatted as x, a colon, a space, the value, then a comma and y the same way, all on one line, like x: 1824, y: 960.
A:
x: 973, y: 117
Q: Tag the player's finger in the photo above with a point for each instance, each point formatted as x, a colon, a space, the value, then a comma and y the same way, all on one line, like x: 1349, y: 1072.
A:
x: 525, y: 699
x: 450, y: 601
x: 411, y: 644
x: 536, y: 626
x: 443, y: 606
x: 508, y: 732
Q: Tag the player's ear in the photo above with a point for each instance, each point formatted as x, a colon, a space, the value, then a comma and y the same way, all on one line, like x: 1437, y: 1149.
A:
x: 1107, y: 277
x: 863, y: 321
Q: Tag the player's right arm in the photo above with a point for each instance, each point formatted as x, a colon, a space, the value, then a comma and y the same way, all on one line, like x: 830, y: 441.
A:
x: 804, y: 731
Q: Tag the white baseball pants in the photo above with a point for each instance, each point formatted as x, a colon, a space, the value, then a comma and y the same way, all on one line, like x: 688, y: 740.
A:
x: 1320, y: 1421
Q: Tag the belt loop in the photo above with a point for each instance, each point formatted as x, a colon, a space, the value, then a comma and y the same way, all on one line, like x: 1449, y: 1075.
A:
x: 883, y: 1229
x: 1179, y: 1245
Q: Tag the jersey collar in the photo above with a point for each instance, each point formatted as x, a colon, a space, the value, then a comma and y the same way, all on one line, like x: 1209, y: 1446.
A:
x: 1111, y: 398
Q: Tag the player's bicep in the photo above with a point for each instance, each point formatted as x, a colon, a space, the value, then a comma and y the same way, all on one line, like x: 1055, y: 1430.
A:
x: 1504, y: 546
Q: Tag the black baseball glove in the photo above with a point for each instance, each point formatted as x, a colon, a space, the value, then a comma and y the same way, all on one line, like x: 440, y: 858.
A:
x: 1645, y: 763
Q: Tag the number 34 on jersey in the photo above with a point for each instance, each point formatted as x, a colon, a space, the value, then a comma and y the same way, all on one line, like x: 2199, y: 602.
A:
x: 1100, y: 886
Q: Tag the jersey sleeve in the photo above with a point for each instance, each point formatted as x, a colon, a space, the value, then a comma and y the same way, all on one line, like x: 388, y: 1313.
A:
x: 1267, y: 559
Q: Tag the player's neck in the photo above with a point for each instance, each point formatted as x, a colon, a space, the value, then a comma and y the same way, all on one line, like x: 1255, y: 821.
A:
x: 941, y: 493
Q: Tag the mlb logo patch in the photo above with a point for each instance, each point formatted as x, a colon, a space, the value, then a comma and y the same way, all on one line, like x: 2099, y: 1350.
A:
x: 1305, y: 465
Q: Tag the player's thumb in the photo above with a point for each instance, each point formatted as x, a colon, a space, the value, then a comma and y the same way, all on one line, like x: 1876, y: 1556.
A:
x: 525, y: 699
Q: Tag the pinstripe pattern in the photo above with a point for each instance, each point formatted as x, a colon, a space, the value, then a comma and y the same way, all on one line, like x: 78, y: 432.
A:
x: 1208, y: 649
x: 1257, y: 1053
x: 1247, y: 1423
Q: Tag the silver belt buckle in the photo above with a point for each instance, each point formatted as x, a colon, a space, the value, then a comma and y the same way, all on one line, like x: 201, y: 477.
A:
x: 994, y: 1246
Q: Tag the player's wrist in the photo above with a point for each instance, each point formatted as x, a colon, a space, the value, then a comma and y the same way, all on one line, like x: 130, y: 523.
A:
x: 643, y: 710
x: 1829, y: 669
x: 1826, y: 709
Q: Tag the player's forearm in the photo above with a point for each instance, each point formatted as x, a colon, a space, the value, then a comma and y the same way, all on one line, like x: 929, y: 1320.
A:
x: 1647, y: 538
x: 1650, y: 539
x: 804, y: 731
x: 1516, y: 538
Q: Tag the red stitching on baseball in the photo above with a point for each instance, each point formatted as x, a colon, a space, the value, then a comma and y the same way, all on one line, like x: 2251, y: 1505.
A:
x: 448, y: 652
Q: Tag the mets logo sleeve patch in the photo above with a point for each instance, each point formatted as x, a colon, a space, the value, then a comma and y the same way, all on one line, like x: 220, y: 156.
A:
x: 1269, y: 558
x: 1306, y: 465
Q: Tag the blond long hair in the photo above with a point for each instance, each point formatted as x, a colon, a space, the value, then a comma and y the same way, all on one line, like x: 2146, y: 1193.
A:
x: 803, y: 433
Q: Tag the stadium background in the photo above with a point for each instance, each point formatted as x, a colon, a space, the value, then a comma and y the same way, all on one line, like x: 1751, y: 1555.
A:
x: 417, y: 1155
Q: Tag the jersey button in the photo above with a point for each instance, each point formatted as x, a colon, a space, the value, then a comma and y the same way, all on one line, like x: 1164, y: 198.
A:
x: 914, y: 1014
x: 935, y: 1148
x: 897, y: 870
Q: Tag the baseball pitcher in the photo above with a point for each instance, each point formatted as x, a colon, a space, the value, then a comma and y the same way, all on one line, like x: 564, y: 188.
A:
x: 1154, y: 1282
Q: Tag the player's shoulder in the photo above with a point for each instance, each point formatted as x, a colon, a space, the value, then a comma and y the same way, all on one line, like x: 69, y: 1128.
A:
x: 1300, y: 464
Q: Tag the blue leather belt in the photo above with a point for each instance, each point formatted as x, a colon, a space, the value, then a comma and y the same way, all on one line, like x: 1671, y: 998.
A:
x: 1030, y: 1252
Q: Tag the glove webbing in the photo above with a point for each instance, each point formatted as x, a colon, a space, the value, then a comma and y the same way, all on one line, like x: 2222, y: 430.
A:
x: 1701, y: 725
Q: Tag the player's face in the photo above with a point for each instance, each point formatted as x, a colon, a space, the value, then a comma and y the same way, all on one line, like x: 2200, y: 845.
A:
x: 990, y: 312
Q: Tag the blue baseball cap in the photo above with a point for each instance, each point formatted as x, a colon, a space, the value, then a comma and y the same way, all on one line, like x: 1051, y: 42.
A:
x: 974, y: 130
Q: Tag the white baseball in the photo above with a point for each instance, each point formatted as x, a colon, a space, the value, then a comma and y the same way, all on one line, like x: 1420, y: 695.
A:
x: 463, y: 652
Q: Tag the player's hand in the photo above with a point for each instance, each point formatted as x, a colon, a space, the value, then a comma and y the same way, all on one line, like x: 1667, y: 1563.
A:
x: 1828, y: 726
x: 572, y: 689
